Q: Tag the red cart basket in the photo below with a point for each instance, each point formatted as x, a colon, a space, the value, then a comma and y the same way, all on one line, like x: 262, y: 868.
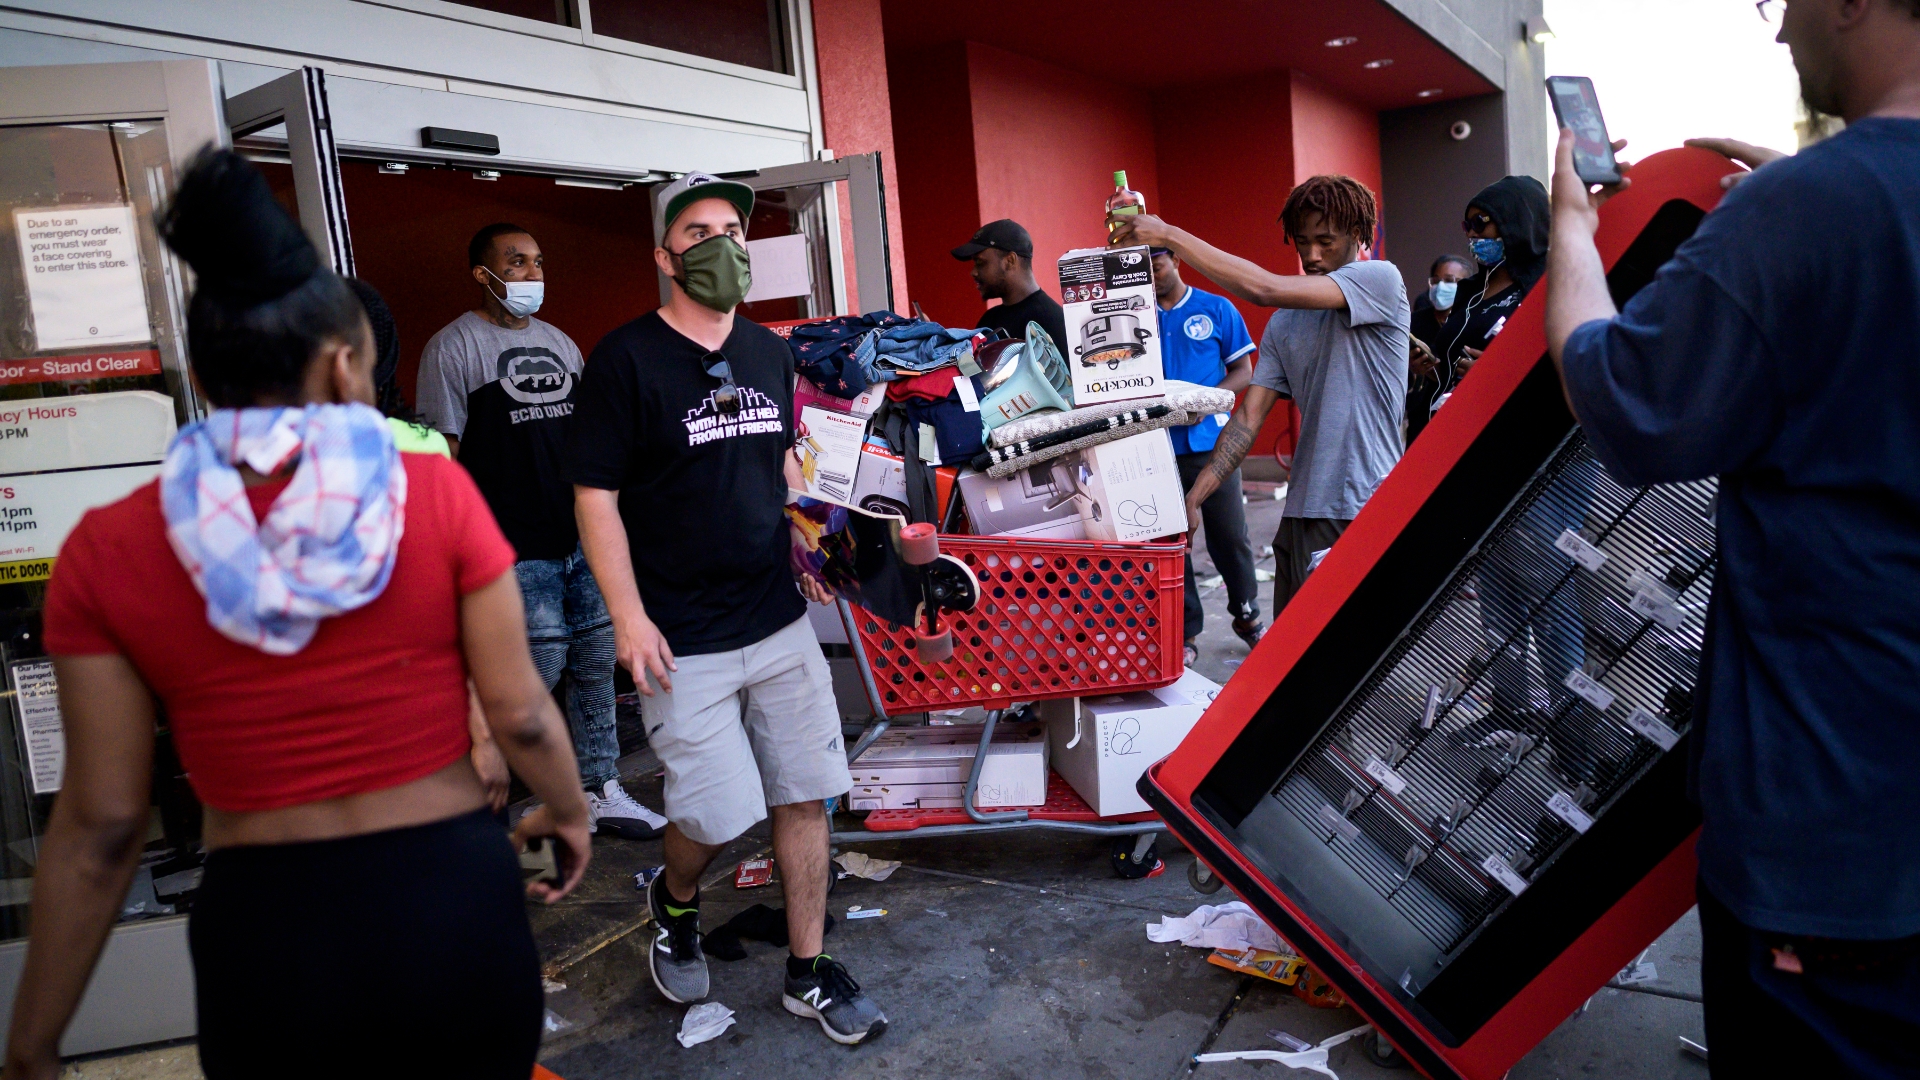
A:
x: 1056, y: 619
x: 1466, y: 850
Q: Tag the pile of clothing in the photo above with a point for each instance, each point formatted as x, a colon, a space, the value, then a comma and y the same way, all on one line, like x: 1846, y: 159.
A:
x: 845, y: 356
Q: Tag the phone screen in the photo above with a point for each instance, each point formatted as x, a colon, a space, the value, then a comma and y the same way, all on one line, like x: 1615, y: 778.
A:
x: 1578, y: 107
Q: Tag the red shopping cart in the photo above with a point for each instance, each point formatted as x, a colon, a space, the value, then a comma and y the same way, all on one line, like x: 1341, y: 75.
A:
x: 1056, y: 619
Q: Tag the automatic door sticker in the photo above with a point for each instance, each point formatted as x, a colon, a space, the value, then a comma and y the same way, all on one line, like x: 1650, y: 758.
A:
x: 1589, y: 689
x: 1576, y: 547
x: 1567, y: 810
x: 1125, y: 737
x: 1497, y: 868
x: 1654, y: 729
x: 1387, y: 778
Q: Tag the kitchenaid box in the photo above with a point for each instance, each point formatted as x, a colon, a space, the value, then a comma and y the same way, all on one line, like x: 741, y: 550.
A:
x: 1113, y: 331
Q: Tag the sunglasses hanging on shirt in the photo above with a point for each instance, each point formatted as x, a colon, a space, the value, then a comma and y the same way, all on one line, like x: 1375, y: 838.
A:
x: 727, y: 397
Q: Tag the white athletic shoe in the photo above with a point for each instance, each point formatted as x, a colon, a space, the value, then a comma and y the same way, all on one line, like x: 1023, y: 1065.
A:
x: 617, y: 813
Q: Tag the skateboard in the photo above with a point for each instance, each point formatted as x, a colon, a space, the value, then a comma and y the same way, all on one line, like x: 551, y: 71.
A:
x: 879, y: 562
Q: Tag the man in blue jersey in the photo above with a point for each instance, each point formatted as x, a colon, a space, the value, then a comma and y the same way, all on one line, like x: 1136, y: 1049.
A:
x: 1203, y: 340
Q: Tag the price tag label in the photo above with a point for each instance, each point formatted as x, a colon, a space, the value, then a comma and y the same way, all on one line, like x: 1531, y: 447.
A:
x: 969, y: 400
x: 1386, y: 776
x: 1575, y: 547
x: 1654, y: 729
x: 1334, y: 823
x: 1655, y: 604
x: 1567, y: 810
x: 1497, y: 868
x: 1590, y: 690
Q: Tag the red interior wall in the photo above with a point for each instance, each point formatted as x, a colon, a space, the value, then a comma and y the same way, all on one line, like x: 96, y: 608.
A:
x: 410, y: 241
x: 1333, y: 135
x: 1046, y: 144
x: 938, y: 192
x: 857, y: 110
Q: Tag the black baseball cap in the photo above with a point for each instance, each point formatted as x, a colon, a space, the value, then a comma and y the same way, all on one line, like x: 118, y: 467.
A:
x: 1005, y: 235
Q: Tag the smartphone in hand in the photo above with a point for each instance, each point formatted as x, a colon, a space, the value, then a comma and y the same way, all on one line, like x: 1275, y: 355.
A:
x: 1576, y: 106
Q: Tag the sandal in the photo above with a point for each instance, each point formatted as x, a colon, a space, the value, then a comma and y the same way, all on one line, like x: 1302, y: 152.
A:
x: 1192, y: 656
x: 1249, y: 630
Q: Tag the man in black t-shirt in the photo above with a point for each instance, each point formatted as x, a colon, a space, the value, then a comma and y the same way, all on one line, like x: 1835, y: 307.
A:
x: 681, y: 458
x: 499, y: 384
x: 1002, y: 257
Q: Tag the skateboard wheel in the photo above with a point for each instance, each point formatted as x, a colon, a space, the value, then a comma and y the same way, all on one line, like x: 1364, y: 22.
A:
x: 933, y: 648
x: 919, y: 544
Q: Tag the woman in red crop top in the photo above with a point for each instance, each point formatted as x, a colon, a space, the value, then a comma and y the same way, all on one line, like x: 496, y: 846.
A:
x: 306, y: 604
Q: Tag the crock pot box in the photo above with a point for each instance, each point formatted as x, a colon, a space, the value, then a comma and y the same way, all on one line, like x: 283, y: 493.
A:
x: 1113, y: 331
x: 1101, y: 745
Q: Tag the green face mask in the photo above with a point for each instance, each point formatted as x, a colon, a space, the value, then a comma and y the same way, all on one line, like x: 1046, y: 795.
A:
x: 716, y: 273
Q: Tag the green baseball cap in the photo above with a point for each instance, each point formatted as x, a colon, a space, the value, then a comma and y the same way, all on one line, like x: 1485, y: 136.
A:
x: 693, y: 187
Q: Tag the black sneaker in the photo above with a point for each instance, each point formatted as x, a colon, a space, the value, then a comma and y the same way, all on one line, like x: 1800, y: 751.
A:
x: 679, y: 967
x: 829, y: 995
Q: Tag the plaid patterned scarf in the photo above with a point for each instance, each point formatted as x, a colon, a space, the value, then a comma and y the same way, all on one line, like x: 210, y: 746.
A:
x: 327, y: 545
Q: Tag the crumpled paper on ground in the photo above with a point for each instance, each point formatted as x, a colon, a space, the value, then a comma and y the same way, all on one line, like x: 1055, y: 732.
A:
x: 704, y: 1021
x: 866, y: 866
x: 1314, y: 1060
x: 1232, y: 926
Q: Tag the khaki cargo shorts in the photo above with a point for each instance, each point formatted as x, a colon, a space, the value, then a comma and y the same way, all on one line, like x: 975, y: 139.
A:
x: 744, y: 730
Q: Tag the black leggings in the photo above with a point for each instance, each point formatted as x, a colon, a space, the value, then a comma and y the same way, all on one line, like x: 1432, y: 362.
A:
x: 396, y: 953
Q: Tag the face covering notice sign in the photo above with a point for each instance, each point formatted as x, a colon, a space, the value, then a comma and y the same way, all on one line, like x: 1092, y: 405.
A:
x: 83, y: 276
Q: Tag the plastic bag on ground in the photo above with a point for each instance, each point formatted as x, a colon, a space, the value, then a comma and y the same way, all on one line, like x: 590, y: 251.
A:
x: 866, y: 866
x: 704, y: 1021
x: 1232, y: 926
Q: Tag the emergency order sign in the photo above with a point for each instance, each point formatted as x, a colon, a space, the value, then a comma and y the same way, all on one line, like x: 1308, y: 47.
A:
x: 82, y: 269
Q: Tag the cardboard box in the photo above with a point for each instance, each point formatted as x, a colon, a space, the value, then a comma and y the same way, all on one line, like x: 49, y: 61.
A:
x: 805, y: 393
x: 927, y: 768
x: 1038, y: 501
x: 830, y: 452
x: 1113, y: 329
x: 1101, y: 745
x: 1132, y: 488
x: 880, y: 482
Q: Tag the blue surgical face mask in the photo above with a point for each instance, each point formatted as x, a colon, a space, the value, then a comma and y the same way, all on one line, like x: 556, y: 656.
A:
x: 523, y: 297
x: 1442, y: 293
x: 1489, y: 252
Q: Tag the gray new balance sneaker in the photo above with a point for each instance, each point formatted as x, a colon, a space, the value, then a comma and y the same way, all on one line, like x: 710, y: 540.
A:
x: 828, y: 994
x: 679, y: 967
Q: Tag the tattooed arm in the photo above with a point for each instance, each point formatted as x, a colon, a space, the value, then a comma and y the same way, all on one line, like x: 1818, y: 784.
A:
x: 1231, y: 448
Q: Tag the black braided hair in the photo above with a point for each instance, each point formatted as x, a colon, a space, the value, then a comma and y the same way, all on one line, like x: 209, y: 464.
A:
x: 263, y: 303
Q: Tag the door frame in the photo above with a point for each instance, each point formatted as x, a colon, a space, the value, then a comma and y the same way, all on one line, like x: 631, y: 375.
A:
x: 141, y: 990
x: 299, y: 101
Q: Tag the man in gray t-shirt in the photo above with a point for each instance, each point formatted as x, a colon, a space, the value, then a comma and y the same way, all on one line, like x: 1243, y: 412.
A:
x: 1338, y: 348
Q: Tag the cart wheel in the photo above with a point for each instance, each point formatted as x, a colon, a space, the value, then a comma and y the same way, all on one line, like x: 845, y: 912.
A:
x: 919, y: 544
x: 1127, y: 866
x: 1381, y: 1052
x: 935, y: 648
x: 1202, y: 879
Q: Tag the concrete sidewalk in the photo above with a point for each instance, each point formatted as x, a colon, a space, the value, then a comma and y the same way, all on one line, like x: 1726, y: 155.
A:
x: 1016, y: 955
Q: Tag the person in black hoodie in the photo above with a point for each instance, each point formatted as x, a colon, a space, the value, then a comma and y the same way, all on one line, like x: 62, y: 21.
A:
x: 1507, y: 229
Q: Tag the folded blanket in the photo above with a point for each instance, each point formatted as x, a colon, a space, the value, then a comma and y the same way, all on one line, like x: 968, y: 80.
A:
x: 1196, y: 399
x: 1143, y: 417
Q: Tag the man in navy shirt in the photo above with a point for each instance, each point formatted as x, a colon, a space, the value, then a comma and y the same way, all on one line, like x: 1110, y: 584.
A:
x: 1777, y: 352
x: 1204, y: 340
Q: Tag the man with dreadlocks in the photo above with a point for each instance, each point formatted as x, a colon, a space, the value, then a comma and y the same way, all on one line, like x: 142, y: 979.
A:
x: 1337, y: 347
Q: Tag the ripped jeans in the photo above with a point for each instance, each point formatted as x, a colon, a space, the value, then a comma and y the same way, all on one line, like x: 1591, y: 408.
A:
x: 568, y: 629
